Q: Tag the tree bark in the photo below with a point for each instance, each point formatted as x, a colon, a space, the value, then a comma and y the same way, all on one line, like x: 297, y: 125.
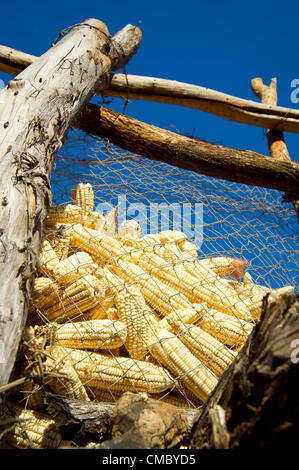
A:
x: 255, y: 404
x: 191, y: 154
x: 177, y: 93
x: 40, y: 105
x: 81, y: 421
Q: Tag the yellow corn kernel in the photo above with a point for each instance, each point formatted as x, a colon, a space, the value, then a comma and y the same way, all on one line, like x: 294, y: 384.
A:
x: 184, y: 366
x: 82, y: 195
x: 93, y: 334
x: 189, y: 248
x: 226, y: 328
x: 187, y: 315
x: 99, y: 246
x: 34, y: 395
x: 75, y: 299
x: 101, y: 371
x: 205, y: 347
x: 134, y: 312
x: 45, y: 293
x: 158, y: 295
x: 73, y: 268
x: 48, y: 259
x: 103, y: 309
x: 34, y: 430
x: 65, y: 381
x: 68, y: 214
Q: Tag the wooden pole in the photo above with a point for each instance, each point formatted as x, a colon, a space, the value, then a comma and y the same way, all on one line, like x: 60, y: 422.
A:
x: 276, y: 142
x: 180, y: 94
x: 190, y: 154
x: 40, y: 105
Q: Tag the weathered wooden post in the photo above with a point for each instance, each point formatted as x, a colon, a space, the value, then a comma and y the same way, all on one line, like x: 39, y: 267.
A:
x: 38, y: 106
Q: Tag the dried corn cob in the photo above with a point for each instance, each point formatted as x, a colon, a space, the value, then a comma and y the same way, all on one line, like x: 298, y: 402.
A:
x: 225, y: 328
x: 158, y: 295
x: 209, y: 350
x: 148, y: 243
x: 103, y: 309
x: 172, y: 236
x: 159, y: 268
x: 34, y: 395
x: 134, y: 312
x: 74, y: 267
x: 93, y: 220
x: 117, y: 373
x: 66, y: 382
x: 82, y: 195
x: 223, y: 296
x: 94, y: 334
x: 75, y: 299
x: 48, y: 259
x: 177, y: 358
x: 224, y: 266
x: 68, y: 214
x: 255, y: 303
x: 188, y: 248
x: 187, y: 315
x: 195, y: 290
x: 34, y: 430
x: 45, y: 293
x: 101, y: 247
x: 60, y: 239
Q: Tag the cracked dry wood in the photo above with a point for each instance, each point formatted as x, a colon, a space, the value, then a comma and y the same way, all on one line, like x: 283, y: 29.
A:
x: 257, y: 396
x: 38, y: 106
x: 241, y: 166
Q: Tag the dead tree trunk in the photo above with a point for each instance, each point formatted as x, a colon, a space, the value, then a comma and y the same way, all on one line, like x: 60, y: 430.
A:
x: 38, y: 107
x: 255, y: 404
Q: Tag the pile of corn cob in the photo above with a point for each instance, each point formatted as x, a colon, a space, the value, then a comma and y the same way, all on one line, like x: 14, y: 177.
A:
x: 114, y: 312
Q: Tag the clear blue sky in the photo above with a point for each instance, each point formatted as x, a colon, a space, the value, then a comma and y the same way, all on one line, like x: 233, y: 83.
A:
x: 220, y: 45
x: 216, y: 44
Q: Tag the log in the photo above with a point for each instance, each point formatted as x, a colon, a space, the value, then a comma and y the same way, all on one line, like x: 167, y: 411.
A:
x: 275, y: 138
x: 255, y: 403
x: 240, y: 166
x: 83, y: 422
x: 40, y: 105
x: 177, y: 93
x: 80, y: 421
x: 226, y: 106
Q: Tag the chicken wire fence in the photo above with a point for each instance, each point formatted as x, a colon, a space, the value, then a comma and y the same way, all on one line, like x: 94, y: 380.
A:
x: 150, y: 278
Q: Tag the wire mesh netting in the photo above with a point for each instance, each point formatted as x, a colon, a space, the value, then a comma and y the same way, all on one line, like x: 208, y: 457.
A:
x: 151, y: 278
